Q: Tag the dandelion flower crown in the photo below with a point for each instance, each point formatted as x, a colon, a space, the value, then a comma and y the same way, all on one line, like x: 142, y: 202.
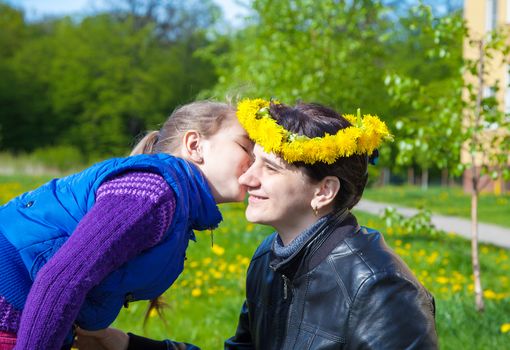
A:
x: 363, y: 137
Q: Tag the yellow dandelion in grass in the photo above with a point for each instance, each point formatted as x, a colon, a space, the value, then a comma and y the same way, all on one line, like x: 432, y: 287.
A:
x: 431, y: 259
x: 206, y: 261
x: 153, y: 313
x: 198, y: 282
x: 398, y: 242
x: 456, y: 288
x: 193, y: 264
x: 505, y: 328
x: 196, y: 292
x: 490, y: 294
x: 442, y: 280
x: 216, y: 249
x: 232, y: 268
x: 389, y: 231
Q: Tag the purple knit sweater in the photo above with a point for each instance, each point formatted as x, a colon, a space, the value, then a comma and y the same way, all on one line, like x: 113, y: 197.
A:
x: 131, y: 214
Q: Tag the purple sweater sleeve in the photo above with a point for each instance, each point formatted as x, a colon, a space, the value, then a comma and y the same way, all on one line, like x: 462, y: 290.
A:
x: 132, y: 212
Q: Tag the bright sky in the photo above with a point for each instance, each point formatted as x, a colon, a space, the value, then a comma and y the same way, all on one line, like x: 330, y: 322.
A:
x: 36, y: 8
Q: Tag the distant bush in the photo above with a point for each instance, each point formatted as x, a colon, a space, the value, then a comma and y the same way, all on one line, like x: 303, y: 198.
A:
x: 63, y: 158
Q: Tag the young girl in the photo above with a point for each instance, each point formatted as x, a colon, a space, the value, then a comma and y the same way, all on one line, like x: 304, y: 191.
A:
x: 77, y: 249
x: 321, y: 281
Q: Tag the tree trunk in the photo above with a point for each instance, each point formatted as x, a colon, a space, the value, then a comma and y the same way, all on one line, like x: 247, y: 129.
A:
x: 384, y: 177
x: 444, y: 177
x: 474, y: 244
x: 425, y: 179
x: 410, y: 176
x: 475, y: 178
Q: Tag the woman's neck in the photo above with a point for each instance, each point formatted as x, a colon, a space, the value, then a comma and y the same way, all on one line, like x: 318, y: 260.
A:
x: 290, y: 231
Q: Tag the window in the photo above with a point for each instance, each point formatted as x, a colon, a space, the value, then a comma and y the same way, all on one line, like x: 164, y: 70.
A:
x: 507, y: 11
x: 491, y: 14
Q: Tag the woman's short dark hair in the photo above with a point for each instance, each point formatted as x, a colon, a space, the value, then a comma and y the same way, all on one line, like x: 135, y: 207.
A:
x: 315, y: 120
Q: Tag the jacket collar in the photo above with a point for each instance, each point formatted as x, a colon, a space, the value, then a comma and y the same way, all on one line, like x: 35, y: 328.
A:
x: 318, y: 245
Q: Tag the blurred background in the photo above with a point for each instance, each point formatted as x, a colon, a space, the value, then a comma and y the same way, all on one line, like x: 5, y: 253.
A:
x: 80, y: 81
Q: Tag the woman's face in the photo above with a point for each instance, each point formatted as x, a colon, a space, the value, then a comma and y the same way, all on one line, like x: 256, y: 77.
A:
x: 280, y: 194
x: 226, y: 155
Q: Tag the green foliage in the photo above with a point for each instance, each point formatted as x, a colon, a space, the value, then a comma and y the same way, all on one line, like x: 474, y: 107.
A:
x: 426, y: 93
x: 420, y: 223
x: 97, y: 82
x: 63, y: 158
x: 324, y: 51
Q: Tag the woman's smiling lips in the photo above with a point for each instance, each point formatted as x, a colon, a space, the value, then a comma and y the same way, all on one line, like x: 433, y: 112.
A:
x: 253, y: 198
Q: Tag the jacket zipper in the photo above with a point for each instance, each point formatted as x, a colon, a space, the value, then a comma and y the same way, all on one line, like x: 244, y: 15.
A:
x: 285, y: 287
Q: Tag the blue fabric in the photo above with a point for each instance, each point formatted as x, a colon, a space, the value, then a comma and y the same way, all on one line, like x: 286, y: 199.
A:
x: 15, y: 283
x: 37, y: 223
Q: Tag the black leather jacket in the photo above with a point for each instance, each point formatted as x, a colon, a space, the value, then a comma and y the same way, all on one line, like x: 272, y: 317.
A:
x: 344, y: 289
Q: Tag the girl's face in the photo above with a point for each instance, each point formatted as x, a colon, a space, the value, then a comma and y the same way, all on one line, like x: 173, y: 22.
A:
x: 280, y: 194
x: 226, y: 155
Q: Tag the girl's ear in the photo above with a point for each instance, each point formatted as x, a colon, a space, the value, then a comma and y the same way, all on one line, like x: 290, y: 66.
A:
x: 191, y: 148
x: 325, y: 193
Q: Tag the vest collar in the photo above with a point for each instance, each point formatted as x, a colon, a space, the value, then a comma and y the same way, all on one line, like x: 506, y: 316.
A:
x: 203, y: 210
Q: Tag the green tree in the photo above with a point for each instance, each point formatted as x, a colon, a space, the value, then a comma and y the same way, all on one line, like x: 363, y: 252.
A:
x: 325, y: 51
x: 98, y: 81
x: 425, y: 84
x: 486, y: 129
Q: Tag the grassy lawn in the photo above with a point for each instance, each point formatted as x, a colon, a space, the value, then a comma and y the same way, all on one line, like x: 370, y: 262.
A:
x: 447, y: 201
x: 203, y: 303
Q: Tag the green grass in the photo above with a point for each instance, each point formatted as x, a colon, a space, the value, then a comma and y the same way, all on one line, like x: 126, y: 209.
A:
x: 204, y: 302
x: 447, y: 201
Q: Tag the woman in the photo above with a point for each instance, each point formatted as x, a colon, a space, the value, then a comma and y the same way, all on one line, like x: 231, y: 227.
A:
x: 77, y: 249
x: 320, y: 281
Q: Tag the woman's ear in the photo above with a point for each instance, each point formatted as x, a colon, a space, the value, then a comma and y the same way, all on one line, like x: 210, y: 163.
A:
x: 325, y: 192
x: 191, y: 148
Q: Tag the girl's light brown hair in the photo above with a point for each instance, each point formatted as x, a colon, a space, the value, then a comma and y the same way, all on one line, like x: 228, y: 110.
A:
x: 203, y: 116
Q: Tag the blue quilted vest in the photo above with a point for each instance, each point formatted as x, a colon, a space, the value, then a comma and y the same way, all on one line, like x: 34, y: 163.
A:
x: 37, y: 223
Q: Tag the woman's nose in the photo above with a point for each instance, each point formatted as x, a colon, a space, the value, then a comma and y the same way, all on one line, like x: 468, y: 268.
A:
x: 248, y: 178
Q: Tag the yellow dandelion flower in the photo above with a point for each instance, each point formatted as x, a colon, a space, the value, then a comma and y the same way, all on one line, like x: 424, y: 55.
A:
x: 216, y: 249
x: 456, y: 288
x: 442, y: 280
x: 196, y: 292
x: 153, y: 313
x: 505, y: 328
x: 490, y: 294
